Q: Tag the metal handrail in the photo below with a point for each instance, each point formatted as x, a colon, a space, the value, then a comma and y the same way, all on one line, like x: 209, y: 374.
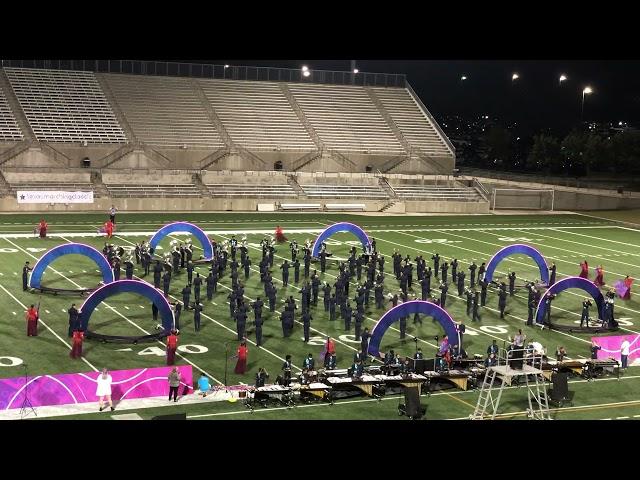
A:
x: 231, y: 72
x: 483, y: 191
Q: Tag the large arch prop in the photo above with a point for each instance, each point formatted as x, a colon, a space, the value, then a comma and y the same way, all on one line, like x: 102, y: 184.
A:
x: 571, y: 282
x: 518, y: 248
x: 184, y: 227
x: 336, y: 228
x: 35, y: 281
x: 127, y: 286
x: 409, y: 308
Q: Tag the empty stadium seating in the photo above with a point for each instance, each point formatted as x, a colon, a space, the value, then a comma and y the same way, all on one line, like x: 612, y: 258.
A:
x: 346, y: 119
x: 164, y: 111
x: 251, y: 190
x: 65, y: 106
x: 9, y: 129
x: 56, y: 186
x: 344, y: 191
x: 257, y: 115
x: 412, y: 122
x: 433, y: 192
x: 127, y: 190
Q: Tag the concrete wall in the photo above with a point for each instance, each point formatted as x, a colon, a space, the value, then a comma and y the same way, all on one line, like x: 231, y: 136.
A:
x: 570, y: 198
x: 27, y: 176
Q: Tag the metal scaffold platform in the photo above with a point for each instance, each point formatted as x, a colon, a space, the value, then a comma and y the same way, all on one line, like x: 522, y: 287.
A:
x: 511, y: 365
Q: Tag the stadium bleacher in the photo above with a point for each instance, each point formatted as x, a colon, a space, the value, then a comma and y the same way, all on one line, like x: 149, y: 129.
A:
x: 411, y: 121
x: 55, y: 186
x: 344, y: 191
x: 164, y: 111
x: 251, y: 190
x: 257, y: 115
x: 434, y: 192
x: 125, y: 190
x: 9, y: 129
x: 65, y: 106
x: 346, y: 119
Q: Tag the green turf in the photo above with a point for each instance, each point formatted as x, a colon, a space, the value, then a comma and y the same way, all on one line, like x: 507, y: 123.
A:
x: 565, y: 239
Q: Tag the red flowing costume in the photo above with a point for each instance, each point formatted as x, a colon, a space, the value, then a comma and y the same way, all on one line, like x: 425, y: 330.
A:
x: 42, y: 229
x: 76, y: 348
x: 628, y: 282
x: 241, y: 365
x: 599, y: 281
x: 32, y: 322
x: 280, y: 238
x: 584, y: 270
x: 172, y: 345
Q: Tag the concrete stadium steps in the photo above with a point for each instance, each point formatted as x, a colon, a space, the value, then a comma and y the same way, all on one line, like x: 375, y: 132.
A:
x: 257, y: 115
x: 414, y: 125
x: 346, y: 119
x: 126, y: 190
x: 65, y: 106
x: 9, y: 128
x: 432, y: 192
x: 344, y: 191
x: 251, y: 190
x: 163, y: 111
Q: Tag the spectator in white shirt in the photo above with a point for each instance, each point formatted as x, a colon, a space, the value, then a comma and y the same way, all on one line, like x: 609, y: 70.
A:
x: 624, y: 353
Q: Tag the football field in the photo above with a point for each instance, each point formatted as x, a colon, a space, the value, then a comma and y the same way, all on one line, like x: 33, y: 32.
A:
x: 566, y: 239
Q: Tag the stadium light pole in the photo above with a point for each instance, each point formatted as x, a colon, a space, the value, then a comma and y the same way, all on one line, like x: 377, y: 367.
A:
x: 514, y: 77
x: 562, y: 79
x: 586, y: 91
x: 462, y: 79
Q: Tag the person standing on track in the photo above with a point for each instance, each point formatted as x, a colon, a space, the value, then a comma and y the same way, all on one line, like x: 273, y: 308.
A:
x: 112, y: 214
x: 103, y: 391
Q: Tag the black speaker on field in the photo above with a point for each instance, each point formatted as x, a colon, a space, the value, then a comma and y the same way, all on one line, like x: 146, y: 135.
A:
x: 620, y: 190
x: 173, y: 416
x: 560, y: 390
x: 368, y: 169
x: 86, y: 163
x: 411, y: 407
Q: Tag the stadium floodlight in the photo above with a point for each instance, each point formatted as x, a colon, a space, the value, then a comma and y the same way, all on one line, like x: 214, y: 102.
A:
x: 562, y: 78
x: 305, y: 68
x: 226, y: 66
x: 306, y: 73
x: 463, y: 77
x: 586, y: 91
x: 355, y: 70
x: 514, y: 77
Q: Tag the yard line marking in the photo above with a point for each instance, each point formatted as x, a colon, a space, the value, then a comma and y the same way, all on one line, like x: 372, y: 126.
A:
x: 47, y: 311
x: 602, y: 239
x: 113, y: 309
x: 621, y: 418
x: 48, y: 328
x: 14, y: 313
x: 126, y: 308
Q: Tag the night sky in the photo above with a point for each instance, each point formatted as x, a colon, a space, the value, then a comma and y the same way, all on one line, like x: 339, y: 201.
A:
x: 535, y: 100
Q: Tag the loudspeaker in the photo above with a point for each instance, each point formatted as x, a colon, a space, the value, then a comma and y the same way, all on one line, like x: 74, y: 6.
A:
x: 175, y: 416
x: 419, y: 365
x: 86, y: 163
x: 560, y: 386
x: 620, y: 190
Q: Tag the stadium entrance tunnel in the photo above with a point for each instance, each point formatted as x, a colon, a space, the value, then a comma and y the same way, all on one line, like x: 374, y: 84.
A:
x: 184, y: 227
x: 127, y: 286
x: 518, y: 248
x: 409, y: 308
x: 336, y: 228
x: 35, y: 281
x: 566, y: 283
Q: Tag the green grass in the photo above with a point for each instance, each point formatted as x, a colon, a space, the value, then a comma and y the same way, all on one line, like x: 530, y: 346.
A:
x: 565, y: 239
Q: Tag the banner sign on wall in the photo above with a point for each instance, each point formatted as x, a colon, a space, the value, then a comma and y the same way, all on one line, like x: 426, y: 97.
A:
x: 51, y: 196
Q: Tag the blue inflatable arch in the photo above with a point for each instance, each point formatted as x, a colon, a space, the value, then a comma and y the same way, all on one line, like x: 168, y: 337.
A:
x: 515, y: 249
x: 182, y: 227
x: 409, y: 308
x: 123, y: 286
x: 67, y: 249
x: 571, y: 282
x: 340, y: 227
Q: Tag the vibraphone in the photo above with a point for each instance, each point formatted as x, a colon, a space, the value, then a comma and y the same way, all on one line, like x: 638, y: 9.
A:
x: 311, y: 390
x: 365, y: 383
x: 263, y: 395
x: 592, y: 367
x: 411, y: 380
x: 460, y: 378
